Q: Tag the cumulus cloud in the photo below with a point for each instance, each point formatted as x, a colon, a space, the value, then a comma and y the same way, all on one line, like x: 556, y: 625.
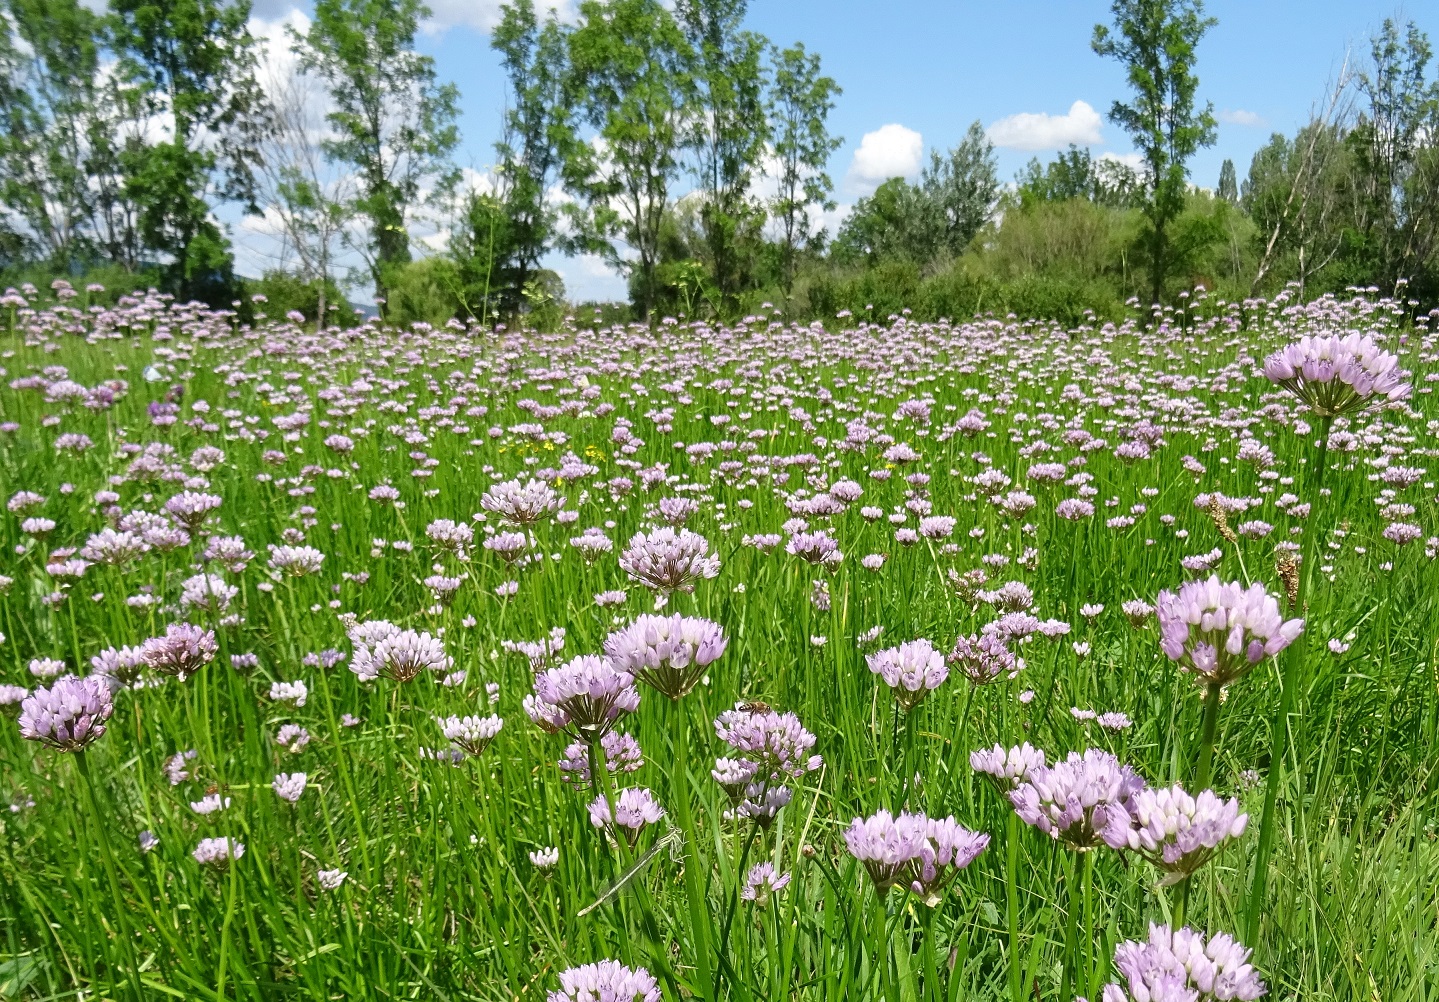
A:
x: 1239, y: 116
x: 1133, y: 161
x: 483, y: 15
x: 889, y: 151
x: 1081, y: 125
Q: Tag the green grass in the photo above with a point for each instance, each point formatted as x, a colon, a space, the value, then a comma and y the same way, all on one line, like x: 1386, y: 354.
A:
x: 442, y: 902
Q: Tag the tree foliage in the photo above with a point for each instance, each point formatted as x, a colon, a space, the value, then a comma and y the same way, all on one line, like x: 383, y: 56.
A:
x: 392, y: 122
x: 1155, y: 41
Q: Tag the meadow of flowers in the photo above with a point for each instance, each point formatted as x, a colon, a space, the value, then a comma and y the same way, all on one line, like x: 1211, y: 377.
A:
x: 982, y: 660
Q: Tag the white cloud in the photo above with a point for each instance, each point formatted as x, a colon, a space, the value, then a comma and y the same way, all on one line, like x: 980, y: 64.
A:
x: 889, y: 151
x: 483, y: 15
x: 1239, y: 116
x: 273, y: 10
x: 588, y: 278
x: 278, y: 61
x: 1134, y: 161
x: 1041, y: 131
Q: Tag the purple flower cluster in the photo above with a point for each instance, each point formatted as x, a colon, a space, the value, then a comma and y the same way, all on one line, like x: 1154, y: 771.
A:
x: 1337, y: 374
x: 633, y: 809
x: 621, y: 751
x: 471, y: 734
x: 182, y: 651
x: 913, y: 851
x: 69, y: 715
x: 668, y: 653
x: 668, y: 560
x: 1219, y: 631
x: 1175, y: 831
x: 1075, y: 800
x: 771, y: 748
x: 912, y: 670
x: 762, y: 882
x: 607, y: 981
x: 1007, y: 769
x: 521, y: 504
x: 1181, y: 966
x: 382, y: 648
x: 585, y: 696
x: 985, y: 657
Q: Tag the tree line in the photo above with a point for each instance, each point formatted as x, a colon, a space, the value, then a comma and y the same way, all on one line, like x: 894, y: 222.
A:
x: 684, y: 150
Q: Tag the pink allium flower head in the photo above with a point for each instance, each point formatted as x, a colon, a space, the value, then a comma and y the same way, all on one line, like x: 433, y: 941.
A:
x: 471, y: 734
x: 912, y: 851
x: 633, y: 809
x: 669, y: 560
x: 669, y: 653
x: 69, y: 715
x: 1075, y: 800
x: 1007, y: 769
x: 182, y: 651
x: 218, y: 852
x: 1336, y: 374
x: 1219, y: 631
x: 521, y: 504
x: 1181, y: 966
x: 585, y: 696
x: 762, y: 882
x: 607, y: 981
x: 986, y: 657
x: 912, y: 670
x: 1176, y: 832
x: 191, y: 508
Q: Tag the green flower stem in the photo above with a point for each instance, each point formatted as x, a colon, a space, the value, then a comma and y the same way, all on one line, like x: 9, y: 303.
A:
x: 1212, y: 695
x: 1294, y: 662
x: 1071, y: 930
x: 681, y: 786
x: 108, y: 857
x: 1011, y: 905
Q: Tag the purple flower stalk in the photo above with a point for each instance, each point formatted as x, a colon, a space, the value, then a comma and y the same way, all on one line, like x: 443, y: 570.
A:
x: 584, y: 696
x: 1180, y: 966
x: 913, y: 670
x: 1075, y: 800
x: 607, y: 981
x: 1335, y: 375
x: 1176, y: 832
x: 633, y: 809
x: 471, y: 734
x: 912, y: 850
x: 182, y: 651
x: 1219, y: 631
x: 622, y: 754
x: 986, y: 657
x: 669, y: 560
x: 668, y: 653
x: 1007, y: 769
x: 69, y: 715
x: 218, y: 852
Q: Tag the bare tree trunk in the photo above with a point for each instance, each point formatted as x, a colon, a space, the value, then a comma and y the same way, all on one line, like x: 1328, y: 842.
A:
x: 1302, y: 175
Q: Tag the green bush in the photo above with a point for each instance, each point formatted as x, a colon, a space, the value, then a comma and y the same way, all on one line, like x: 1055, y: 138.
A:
x: 286, y: 292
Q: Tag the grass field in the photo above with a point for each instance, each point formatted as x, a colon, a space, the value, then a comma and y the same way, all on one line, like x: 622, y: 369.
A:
x: 998, y: 488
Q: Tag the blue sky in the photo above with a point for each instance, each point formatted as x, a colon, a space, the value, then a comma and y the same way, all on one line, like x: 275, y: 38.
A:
x: 916, y: 74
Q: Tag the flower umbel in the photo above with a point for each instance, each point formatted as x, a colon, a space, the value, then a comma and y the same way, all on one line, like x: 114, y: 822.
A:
x: 1219, y: 631
x: 69, y: 715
